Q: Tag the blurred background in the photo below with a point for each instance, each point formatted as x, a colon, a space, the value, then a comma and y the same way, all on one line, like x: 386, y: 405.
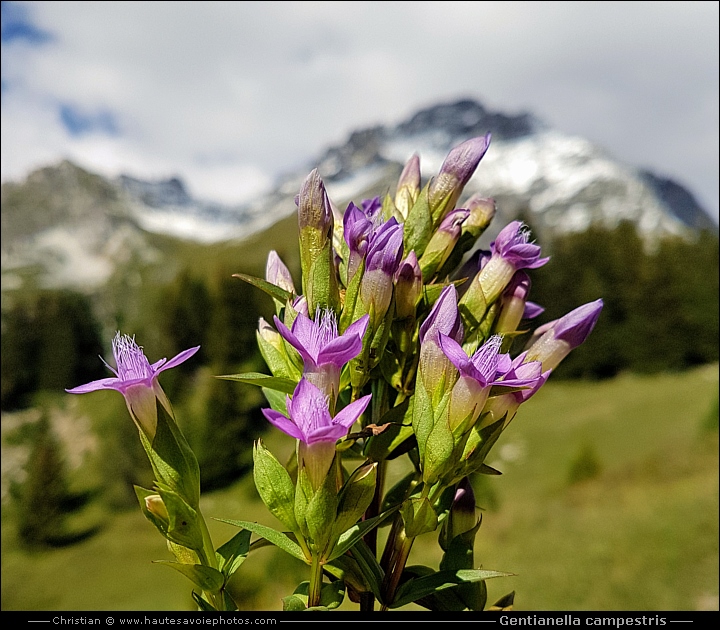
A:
x: 151, y: 150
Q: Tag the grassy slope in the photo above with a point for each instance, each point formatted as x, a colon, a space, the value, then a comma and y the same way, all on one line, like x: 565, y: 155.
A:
x: 641, y: 535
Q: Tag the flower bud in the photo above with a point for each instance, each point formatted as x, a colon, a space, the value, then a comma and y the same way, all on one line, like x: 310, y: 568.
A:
x: 384, y: 254
x: 512, y: 303
x: 442, y: 242
x: 156, y: 506
x: 317, y: 258
x: 408, y: 188
x: 564, y: 335
x: 456, y: 171
x: 277, y: 273
x: 510, y: 252
x: 408, y: 287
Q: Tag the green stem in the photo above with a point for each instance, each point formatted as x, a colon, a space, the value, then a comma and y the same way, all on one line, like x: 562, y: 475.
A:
x: 315, y: 581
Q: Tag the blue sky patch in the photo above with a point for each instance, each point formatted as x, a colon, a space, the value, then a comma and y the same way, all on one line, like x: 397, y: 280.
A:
x: 16, y: 25
x: 81, y: 122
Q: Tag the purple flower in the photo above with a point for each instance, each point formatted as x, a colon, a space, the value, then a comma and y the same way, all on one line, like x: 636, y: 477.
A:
x: 357, y: 230
x: 136, y: 379
x: 309, y: 421
x: 477, y: 374
x: 512, y: 245
x: 560, y: 337
x: 444, y: 318
x: 531, y: 374
x: 384, y: 254
x: 510, y: 252
x: 323, y: 350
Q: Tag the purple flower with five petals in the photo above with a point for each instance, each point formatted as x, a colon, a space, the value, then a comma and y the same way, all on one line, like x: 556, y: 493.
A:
x: 477, y: 374
x: 137, y: 380
x: 531, y: 374
x: 323, y: 350
x: 309, y: 421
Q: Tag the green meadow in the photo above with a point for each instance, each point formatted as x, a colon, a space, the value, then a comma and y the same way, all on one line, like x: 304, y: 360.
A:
x: 608, y: 501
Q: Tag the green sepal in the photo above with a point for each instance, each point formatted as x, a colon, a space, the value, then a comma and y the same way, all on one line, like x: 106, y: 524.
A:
x: 347, y: 316
x: 184, y: 527
x: 278, y: 383
x: 207, y: 578
x: 303, y: 494
x: 422, y: 416
x: 389, y: 209
x: 182, y: 554
x: 418, y: 224
x: 233, y: 553
x: 277, y: 400
x: 279, y: 539
x: 321, y: 283
x: 419, y: 516
x: 355, y: 497
x: 320, y: 514
x: 277, y: 359
x: 274, y: 291
x: 171, y: 458
x: 274, y: 486
x: 417, y: 588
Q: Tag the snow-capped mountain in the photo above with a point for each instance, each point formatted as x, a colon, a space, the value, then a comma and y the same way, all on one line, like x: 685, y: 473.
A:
x: 79, y: 226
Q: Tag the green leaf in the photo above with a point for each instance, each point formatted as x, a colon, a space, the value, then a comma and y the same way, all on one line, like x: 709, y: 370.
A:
x: 203, y: 604
x: 233, y: 553
x: 271, y: 535
x: 332, y: 594
x: 294, y: 602
x: 368, y: 564
x: 416, y: 588
x: 207, y: 578
x: 274, y: 486
x: 348, y: 570
x: 348, y: 539
x: 274, y: 291
x: 278, y: 383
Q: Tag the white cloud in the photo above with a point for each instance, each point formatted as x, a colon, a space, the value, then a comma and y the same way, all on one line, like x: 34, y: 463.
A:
x: 229, y: 95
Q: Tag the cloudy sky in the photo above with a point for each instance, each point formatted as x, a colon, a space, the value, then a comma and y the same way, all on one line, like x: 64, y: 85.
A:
x: 228, y: 95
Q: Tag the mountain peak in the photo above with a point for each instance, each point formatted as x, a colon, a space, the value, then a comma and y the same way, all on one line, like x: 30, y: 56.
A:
x: 468, y: 118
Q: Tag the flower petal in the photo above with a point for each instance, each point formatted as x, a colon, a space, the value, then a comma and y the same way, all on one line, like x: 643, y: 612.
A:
x: 284, y: 424
x: 178, y: 359
x: 93, y: 386
x: 349, y: 415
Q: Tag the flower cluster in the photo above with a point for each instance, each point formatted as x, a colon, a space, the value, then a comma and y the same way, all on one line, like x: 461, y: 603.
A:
x: 405, y: 339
